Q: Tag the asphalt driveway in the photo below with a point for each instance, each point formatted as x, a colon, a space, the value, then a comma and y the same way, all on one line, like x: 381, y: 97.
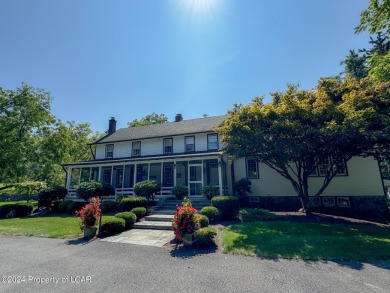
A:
x: 30, y: 264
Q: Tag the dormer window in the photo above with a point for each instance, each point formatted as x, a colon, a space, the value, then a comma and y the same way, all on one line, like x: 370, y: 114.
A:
x: 168, y: 145
x: 136, y: 149
x: 109, y: 151
x: 190, y: 144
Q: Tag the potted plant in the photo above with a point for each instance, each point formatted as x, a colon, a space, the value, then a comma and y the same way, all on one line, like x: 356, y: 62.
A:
x: 210, y: 191
x: 185, y: 222
x: 89, y: 216
x: 180, y: 191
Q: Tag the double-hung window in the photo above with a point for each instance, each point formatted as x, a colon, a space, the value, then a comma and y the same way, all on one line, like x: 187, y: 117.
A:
x: 168, y: 145
x: 252, y: 168
x: 212, y: 141
x: 334, y: 163
x: 136, y: 150
x: 109, y: 151
x: 190, y: 144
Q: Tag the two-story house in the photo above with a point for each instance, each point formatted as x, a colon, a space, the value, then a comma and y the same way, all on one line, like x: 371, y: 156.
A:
x: 188, y: 152
x: 184, y: 152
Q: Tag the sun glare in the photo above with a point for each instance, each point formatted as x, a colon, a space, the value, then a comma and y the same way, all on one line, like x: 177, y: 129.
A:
x: 197, y: 5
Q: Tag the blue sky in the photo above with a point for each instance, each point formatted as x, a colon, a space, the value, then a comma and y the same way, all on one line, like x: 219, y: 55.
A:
x: 128, y: 58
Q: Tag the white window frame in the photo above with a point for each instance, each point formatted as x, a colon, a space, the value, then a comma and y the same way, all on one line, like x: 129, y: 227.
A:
x: 328, y: 201
x: 109, y: 151
x: 248, y: 172
x: 166, y: 151
x: 186, y: 149
x: 136, y: 152
x: 209, y: 144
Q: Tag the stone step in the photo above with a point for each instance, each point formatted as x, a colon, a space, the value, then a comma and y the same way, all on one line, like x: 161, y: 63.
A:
x: 159, y: 218
x: 153, y: 225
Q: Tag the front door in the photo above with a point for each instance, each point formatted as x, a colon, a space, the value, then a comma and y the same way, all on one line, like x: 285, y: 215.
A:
x: 195, y: 179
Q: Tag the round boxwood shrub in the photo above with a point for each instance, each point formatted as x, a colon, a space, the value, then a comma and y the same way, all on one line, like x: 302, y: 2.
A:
x: 228, y: 205
x: 203, y: 220
x: 74, y: 207
x: 50, y: 197
x: 63, y: 207
x: 205, y: 237
x: 140, y: 212
x: 129, y: 217
x: 129, y: 203
x: 112, y: 225
x: 212, y: 213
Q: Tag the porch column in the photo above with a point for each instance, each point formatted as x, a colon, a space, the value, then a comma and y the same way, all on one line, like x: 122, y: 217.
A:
x: 112, y: 173
x: 100, y: 174
x: 80, y: 175
x: 220, y: 176
x: 135, y: 175
x: 123, y: 177
x: 174, y: 174
x: 69, y: 178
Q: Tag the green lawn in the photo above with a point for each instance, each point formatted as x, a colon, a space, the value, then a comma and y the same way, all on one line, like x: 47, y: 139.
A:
x: 59, y: 226
x: 34, y: 202
x: 307, y: 241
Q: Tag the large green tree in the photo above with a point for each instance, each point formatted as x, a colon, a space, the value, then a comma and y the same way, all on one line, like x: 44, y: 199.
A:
x: 375, y: 18
x: 300, y: 129
x: 24, y: 114
x: 149, y: 119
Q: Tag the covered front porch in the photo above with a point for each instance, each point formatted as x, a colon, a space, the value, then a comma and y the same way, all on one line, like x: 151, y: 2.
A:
x: 195, y: 172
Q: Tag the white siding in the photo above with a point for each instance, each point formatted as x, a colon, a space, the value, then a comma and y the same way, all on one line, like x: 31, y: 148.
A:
x: 154, y: 146
x: 363, y: 180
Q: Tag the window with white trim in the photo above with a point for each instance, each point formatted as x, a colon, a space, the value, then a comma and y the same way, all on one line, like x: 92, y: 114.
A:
x: 212, y: 141
x: 252, y: 168
x: 168, y: 145
x: 109, y: 151
x: 136, y: 149
x: 336, y: 162
x: 190, y: 144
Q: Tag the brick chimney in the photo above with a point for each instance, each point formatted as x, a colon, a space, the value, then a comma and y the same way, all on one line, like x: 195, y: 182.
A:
x: 178, y: 118
x: 111, y: 125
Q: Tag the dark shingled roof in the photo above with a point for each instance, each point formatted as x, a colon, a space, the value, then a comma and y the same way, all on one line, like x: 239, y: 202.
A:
x: 190, y: 126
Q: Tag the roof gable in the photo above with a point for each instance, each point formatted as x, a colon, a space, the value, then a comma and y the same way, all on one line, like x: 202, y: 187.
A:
x: 184, y: 127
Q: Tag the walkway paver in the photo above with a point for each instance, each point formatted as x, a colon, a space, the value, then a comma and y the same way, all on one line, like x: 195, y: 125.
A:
x: 146, y: 237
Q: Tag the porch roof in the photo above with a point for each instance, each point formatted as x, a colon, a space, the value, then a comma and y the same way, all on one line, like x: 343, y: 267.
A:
x: 187, y: 156
x: 191, y: 126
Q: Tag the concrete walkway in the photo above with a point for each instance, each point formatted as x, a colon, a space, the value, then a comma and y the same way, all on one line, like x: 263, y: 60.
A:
x: 148, y: 237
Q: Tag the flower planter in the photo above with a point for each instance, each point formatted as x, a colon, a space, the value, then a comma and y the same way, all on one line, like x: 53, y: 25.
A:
x: 89, y: 232
x: 188, y: 239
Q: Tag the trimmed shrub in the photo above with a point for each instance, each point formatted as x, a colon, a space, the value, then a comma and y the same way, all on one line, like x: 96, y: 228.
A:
x: 87, y: 190
x: 140, y: 212
x: 112, y: 225
x: 251, y: 215
x: 16, y: 210
x: 23, y: 209
x: 242, y: 188
x: 50, y: 197
x: 210, y: 191
x: 6, y: 209
x: 63, y: 207
x: 147, y: 188
x: 203, y: 220
x: 180, y: 191
x: 212, y: 213
x: 228, y: 205
x: 129, y: 217
x: 129, y: 203
x: 74, y: 207
x: 109, y: 206
x: 205, y: 237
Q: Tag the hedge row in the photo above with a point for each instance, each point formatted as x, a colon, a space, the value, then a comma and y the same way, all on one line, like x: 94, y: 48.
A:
x: 16, y: 210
